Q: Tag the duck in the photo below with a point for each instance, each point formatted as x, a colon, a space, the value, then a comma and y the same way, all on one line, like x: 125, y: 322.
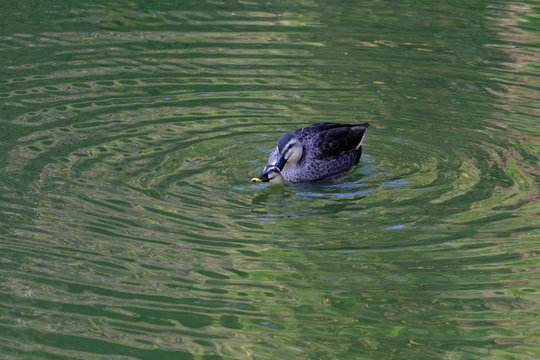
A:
x: 314, y: 153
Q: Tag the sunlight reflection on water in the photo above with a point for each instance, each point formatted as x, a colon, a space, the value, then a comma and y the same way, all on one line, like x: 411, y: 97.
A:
x: 130, y: 229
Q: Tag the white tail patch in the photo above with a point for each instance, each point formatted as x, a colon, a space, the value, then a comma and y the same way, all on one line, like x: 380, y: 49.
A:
x: 361, y: 143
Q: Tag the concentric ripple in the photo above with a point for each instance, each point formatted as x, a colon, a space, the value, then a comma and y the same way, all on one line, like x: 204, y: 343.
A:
x: 129, y: 228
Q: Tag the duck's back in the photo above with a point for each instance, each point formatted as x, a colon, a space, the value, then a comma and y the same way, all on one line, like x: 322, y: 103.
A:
x: 329, y: 148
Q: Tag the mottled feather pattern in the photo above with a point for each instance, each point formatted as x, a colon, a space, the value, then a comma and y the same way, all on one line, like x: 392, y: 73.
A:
x: 328, y: 149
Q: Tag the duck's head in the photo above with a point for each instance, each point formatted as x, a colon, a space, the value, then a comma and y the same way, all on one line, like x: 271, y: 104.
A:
x: 290, y: 150
x: 270, y: 174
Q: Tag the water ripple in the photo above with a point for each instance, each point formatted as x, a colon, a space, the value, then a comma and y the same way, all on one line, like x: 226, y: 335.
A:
x: 129, y: 227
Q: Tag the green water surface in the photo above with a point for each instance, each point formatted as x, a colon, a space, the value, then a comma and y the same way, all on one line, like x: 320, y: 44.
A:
x: 129, y: 229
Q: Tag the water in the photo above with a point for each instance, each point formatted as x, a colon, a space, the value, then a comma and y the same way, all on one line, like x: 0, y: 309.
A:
x: 129, y: 228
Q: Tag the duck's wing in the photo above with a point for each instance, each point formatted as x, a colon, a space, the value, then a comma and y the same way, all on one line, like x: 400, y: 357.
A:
x: 333, y: 139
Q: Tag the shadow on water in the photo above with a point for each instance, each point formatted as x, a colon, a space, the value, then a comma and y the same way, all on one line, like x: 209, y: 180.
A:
x: 129, y: 227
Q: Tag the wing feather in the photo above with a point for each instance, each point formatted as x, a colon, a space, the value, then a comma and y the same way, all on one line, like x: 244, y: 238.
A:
x: 333, y: 140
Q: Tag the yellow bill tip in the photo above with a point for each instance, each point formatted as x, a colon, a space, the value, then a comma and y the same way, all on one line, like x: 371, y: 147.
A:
x: 256, y: 179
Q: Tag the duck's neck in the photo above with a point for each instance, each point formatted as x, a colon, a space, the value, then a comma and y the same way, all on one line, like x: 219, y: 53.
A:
x: 292, y: 172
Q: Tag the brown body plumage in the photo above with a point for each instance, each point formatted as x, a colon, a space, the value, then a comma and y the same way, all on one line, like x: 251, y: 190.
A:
x: 314, y: 152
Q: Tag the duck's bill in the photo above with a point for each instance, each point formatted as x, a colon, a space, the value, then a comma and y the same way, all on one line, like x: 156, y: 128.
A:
x: 260, y: 179
x: 281, y: 163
